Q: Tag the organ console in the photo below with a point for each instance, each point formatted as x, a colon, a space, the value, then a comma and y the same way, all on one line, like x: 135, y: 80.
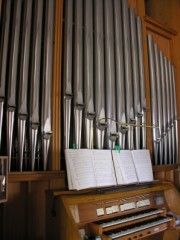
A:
x: 130, y: 212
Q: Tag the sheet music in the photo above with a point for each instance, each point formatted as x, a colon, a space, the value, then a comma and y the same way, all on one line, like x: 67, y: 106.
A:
x: 103, y: 168
x: 143, y: 165
x: 124, y: 167
x: 69, y: 177
x: 81, y: 169
x: 89, y: 168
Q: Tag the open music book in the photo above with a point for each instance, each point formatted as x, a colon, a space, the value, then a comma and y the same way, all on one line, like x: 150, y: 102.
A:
x: 91, y: 168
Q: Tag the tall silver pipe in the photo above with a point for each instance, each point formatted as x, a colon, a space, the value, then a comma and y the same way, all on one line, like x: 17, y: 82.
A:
x: 99, y: 73
x: 23, y: 81
x: 88, y: 74
x: 5, y: 21
x: 159, y: 100
x: 164, y: 109
x: 78, y: 72
x: 154, y: 120
x: 135, y: 77
x: 168, y: 109
x: 67, y: 69
x: 120, y: 85
x: 142, y: 81
x: 46, y: 130
x: 110, y: 74
x: 171, y: 113
x: 11, y: 96
x: 35, y: 79
x: 128, y: 73
x: 175, y: 115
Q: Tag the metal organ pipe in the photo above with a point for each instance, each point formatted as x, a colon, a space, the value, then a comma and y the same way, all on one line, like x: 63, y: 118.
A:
x: 164, y: 110
x: 78, y: 72
x: 46, y: 130
x: 169, y: 151
x: 159, y: 100
x: 135, y: 77
x: 120, y: 85
x: 128, y: 73
x: 99, y: 74
x: 153, y: 97
x: 175, y: 114
x: 23, y: 81
x: 5, y: 23
x: 67, y: 70
x: 141, y: 81
x: 35, y: 80
x: 110, y: 74
x: 88, y: 73
x: 171, y: 113
x: 12, y: 78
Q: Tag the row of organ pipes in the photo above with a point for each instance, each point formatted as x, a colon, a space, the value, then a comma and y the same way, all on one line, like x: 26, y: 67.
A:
x: 26, y: 47
x: 104, y: 98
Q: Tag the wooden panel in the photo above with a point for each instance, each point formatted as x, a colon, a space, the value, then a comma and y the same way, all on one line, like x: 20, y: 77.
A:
x: 164, y: 11
x: 164, y: 172
x: 23, y: 216
x: 15, y: 212
x: 35, y: 176
x: 56, y: 89
x: 162, y: 36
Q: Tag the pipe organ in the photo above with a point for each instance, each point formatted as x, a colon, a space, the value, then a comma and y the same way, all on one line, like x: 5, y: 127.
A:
x: 26, y: 48
x: 103, y: 46
x: 104, y: 97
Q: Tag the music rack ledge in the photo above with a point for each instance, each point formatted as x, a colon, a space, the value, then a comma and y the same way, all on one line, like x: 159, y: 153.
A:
x: 35, y: 176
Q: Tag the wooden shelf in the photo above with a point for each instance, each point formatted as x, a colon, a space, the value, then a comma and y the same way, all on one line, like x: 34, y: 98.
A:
x: 35, y: 176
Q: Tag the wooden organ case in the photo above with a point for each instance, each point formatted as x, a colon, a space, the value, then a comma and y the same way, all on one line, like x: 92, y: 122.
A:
x: 133, y: 212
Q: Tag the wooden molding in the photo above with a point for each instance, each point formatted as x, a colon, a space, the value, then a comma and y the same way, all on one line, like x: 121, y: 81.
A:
x: 35, y: 176
x: 161, y: 28
x: 56, y: 88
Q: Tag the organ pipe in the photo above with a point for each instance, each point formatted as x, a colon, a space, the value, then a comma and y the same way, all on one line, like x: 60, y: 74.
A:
x: 78, y: 72
x: 110, y: 75
x: 128, y: 73
x: 23, y: 81
x: 12, y: 78
x: 119, y: 70
x: 99, y: 84
x: 67, y: 70
x: 88, y: 74
x: 35, y: 80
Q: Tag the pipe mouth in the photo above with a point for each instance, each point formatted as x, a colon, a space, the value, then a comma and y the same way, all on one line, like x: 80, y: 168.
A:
x: 46, y: 135
x: 2, y: 99
x: 68, y: 96
x: 11, y: 108
x: 90, y: 115
x: 22, y: 117
x: 145, y: 109
x: 34, y: 126
x: 158, y: 140
x: 139, y: 114
x: 123, y: 129
x: 113, y: 136
x: 79, y: 106
x: 101, y: 126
